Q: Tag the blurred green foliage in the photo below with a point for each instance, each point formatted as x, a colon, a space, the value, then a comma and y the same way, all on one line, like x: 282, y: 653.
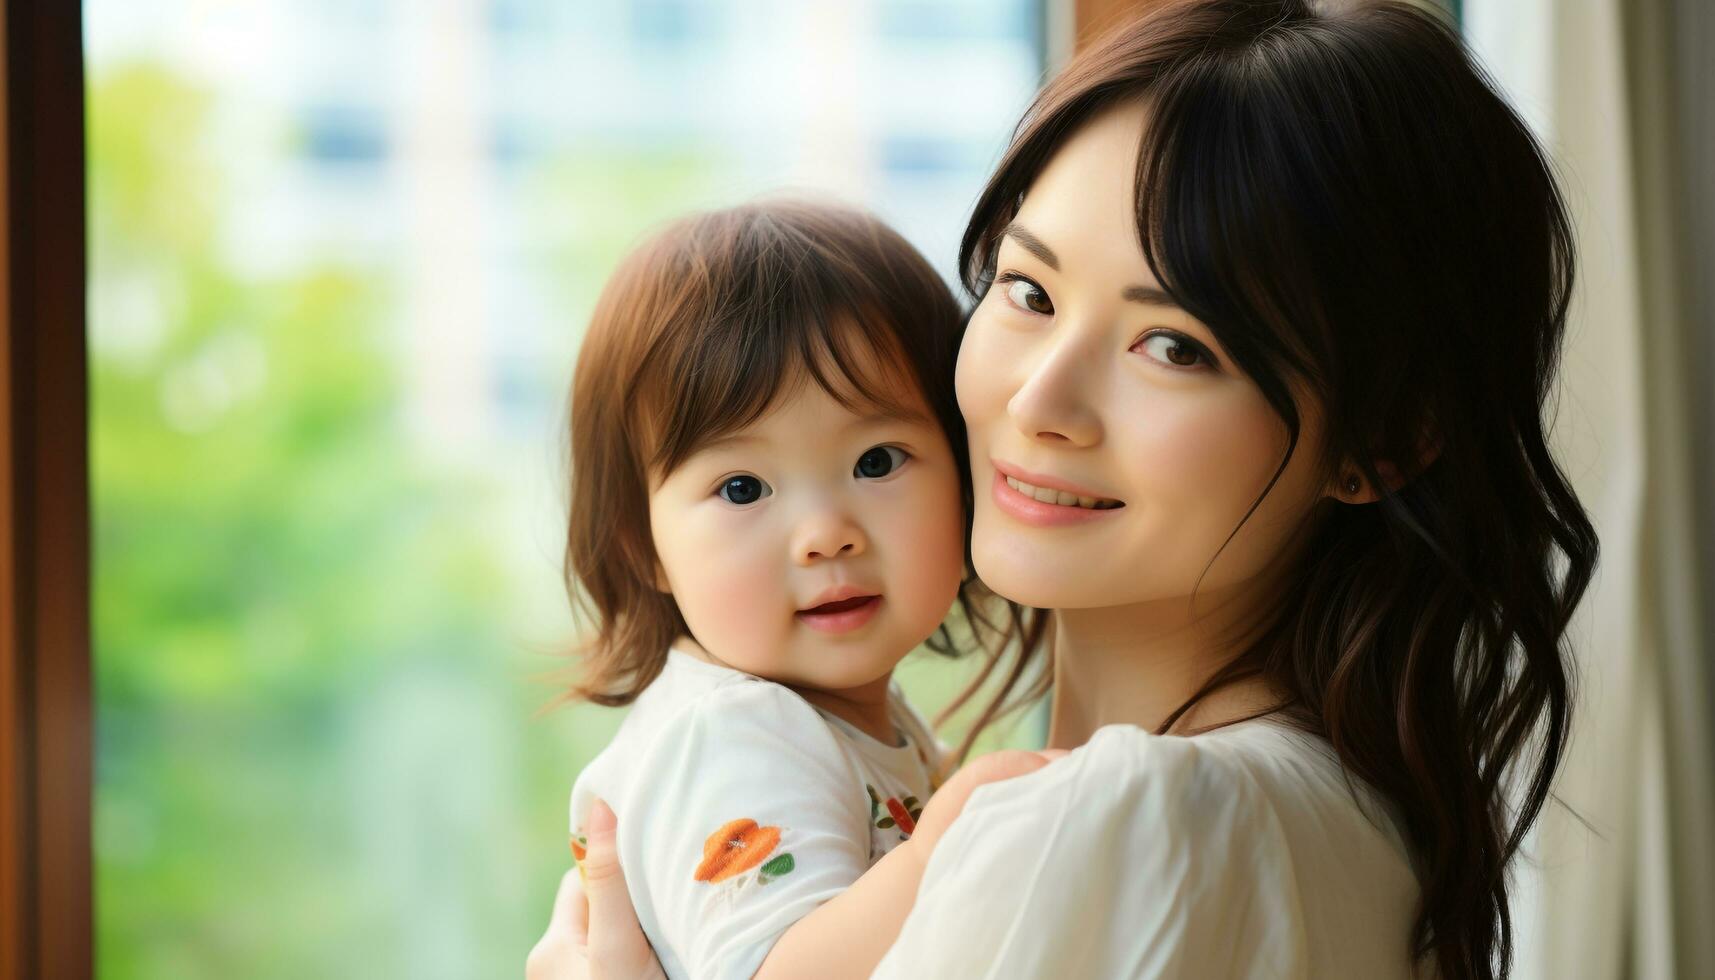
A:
x: 272, y: 571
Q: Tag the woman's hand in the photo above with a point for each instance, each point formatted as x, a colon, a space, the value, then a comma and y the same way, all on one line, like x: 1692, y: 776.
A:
x: 593, y: 932
x: 949, y: 801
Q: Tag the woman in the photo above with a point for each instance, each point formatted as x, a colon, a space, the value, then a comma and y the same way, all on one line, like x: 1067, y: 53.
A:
x: 1282, y: 294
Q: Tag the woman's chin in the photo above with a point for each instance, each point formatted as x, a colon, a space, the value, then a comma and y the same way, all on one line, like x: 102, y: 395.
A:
x: 1016, y: 574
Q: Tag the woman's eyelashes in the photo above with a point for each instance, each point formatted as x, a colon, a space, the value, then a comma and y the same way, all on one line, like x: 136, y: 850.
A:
x: 876, y: 463
x: 1174, y: 350
x: 1024, y: 293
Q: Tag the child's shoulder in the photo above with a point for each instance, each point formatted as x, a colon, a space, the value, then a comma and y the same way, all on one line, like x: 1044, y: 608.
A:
x: 701, y: 723
x: 693, y: 699
x: 686, y: 679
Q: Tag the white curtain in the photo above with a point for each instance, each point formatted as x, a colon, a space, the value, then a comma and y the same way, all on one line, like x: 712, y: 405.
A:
x: 1633, y: 893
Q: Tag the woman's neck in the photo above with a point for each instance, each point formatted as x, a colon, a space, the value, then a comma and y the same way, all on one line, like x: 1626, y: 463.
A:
x: 1137, y: 664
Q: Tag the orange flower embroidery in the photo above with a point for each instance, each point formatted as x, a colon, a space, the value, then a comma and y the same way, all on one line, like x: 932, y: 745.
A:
x: 738, y: 846
x: 579, y: 844
x: 901, y: 813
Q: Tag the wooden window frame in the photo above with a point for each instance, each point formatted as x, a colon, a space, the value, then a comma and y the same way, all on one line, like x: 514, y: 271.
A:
x: 46, y: 721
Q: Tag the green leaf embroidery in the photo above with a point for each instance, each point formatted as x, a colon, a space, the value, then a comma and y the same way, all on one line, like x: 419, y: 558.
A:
x: 874, y: 801
x: 911, y: 803
x: 777, y: 867
x: 885, y: 822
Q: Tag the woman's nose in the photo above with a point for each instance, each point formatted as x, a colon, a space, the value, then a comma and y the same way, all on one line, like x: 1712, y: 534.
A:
x: 827, y: 533
x: 1055, y: 401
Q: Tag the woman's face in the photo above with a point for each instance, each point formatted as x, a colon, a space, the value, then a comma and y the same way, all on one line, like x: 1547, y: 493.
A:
x: 1114, y: 444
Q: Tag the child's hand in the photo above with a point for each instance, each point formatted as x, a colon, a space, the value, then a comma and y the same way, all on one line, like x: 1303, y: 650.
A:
x: 949, y: 801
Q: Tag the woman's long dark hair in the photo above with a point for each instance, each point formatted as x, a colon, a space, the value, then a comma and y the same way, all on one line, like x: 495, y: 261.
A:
x: 1345, y: 201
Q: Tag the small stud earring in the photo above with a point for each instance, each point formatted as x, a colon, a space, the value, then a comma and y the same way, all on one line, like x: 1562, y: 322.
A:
x: 1351, y: 484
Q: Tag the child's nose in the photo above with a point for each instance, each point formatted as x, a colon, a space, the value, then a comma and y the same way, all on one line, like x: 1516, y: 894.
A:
x: 827, y: 535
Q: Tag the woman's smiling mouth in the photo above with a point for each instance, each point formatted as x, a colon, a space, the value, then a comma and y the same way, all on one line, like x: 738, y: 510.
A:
x: 1049, y: 495
x: 1024, y: 496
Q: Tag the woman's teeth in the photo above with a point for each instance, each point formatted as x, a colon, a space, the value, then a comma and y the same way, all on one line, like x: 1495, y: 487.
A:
x: 1061, y: 497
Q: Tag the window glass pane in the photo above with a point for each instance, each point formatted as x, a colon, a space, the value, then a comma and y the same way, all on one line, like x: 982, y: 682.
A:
x: 341, y: 252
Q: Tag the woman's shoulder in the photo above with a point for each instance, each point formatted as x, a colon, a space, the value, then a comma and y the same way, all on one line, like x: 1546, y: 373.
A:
x: 1236, y: 853
x: 1246, y: 847
x: 1258, y: 780
x: 1127, y: 773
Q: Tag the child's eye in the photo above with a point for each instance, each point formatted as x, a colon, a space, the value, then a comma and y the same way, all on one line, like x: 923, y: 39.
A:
x: 878, y: 462
x: 743, y: 490
x: 1025, y: 294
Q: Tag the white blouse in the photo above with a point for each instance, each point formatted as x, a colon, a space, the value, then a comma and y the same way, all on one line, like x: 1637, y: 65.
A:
x: 1243, y: 852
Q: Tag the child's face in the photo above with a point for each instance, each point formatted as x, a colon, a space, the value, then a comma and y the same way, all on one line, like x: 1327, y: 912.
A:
x: 817, y: 546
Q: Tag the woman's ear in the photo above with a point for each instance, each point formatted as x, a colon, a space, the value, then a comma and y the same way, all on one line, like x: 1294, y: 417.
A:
x: 1351, y: 487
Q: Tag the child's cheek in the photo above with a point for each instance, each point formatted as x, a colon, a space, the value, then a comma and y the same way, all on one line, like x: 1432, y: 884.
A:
x: 733, y: 592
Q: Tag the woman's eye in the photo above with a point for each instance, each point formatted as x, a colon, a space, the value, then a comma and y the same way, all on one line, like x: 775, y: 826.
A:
x: 1172, y: 349
x: 743, y: 490
x: 1026, y: 295
x: 879, y: 462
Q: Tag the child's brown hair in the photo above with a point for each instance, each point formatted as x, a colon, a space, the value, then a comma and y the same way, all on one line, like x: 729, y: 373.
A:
x: 694, y: 336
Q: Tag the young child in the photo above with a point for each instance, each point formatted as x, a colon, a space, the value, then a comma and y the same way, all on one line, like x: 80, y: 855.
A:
x: 768, y: 512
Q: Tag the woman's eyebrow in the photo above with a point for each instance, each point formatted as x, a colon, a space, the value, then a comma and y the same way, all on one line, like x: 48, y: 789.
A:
x: 1150, y: 295
x: 1035, y: 246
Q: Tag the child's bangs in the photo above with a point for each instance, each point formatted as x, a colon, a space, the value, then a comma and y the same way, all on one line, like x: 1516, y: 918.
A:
x: 722, y: 377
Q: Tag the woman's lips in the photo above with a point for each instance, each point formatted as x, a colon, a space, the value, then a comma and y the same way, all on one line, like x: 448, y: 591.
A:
x: 1040, y: 513
x: 842, y: 616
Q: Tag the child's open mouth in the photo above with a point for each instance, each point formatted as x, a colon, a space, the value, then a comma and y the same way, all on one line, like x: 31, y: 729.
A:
x: 841, y: 616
